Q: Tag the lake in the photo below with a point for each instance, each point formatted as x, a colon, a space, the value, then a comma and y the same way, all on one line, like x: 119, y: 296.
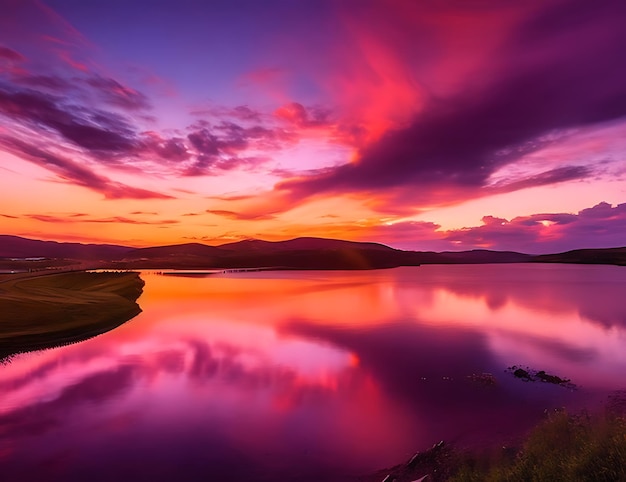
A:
x: 313, y: 375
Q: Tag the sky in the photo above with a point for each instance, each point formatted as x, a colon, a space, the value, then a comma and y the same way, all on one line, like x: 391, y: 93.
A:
x: 424, y: 125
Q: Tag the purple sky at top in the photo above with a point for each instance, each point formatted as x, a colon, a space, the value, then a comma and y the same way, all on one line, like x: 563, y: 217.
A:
x: 207, y: 50
x: 423, y: 125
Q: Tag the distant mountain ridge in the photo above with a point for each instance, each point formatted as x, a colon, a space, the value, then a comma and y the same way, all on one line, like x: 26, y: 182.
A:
x: 187, y: 249
x: 302, y: 243
x: 298, y: 253
x: 586, y: 256
x: 18, y: 247
x: 474, y: 256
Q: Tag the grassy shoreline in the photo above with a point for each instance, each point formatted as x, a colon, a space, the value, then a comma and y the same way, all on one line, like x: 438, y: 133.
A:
x: 38, y: 312
x: 563, y: 447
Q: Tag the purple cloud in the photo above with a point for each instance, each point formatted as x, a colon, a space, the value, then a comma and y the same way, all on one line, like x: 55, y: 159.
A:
x: 241, y: 113
x: 113, y: 92
x: 10, y: 55
x: 172, y: 150
x: 205, y: 142
x: 75, y: 173
x: 553, y: 176
x: 90, y: 129
x: 240, y: 215
x: 245, y: 113
x: 48, y: 82
x: 558, y: 71
x: 300, y: 116
x: 601, y: 226
x: 46, y: 218
x: 219, y: 147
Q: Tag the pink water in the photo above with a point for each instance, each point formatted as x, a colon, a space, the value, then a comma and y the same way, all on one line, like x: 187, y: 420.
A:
x: 312, y: 375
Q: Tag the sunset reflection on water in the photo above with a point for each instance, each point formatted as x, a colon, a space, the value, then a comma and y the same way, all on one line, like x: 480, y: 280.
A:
x: 311, y: 375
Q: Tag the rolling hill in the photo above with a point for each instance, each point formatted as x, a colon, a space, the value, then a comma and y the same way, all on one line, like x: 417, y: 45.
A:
x: 586, y: 256
x: 18, y: 247
x: 298, y: 253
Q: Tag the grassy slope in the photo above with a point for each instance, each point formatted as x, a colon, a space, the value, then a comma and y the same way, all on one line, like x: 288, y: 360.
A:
x: 563, y: 448
x: 53, y: 310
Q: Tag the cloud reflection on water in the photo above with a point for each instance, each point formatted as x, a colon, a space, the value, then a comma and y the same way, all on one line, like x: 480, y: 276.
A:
x: 310, y: 375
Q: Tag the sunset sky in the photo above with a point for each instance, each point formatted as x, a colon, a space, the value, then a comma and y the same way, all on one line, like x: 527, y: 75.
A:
x: 422, y: 124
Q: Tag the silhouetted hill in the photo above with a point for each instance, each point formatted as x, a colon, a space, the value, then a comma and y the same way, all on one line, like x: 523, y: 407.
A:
x: 314, y: 253
x: 299, y: 253
x: 476, y: 256
x: 18, y: 247
x: 301, y: 244
x: 174, y: 250
x: 586, y: 256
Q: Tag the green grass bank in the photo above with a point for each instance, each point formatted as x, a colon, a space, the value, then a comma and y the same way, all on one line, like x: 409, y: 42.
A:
x: 52, y: 310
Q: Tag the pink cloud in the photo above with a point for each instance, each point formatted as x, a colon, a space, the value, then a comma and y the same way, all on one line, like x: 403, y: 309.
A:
x: 522, y: 83
x: 115, y: 93
x: 46, y: 218
x: 601, y: 226
x: 10, y: 55
x: 245, y: 216
x: 75, y: 173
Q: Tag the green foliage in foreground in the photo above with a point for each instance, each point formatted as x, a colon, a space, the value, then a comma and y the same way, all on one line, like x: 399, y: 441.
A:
x: 563, y: 448
x: 46, y: 311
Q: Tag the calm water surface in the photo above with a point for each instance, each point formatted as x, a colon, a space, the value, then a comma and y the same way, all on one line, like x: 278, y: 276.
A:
x: 312, y: 375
